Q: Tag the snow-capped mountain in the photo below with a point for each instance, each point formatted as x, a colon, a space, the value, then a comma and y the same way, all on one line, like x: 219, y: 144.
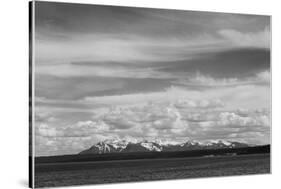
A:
x: 124, y: 146
x: 108, y: 146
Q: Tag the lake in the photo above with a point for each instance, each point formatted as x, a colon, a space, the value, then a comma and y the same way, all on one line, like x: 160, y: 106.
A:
x: 81, y: 173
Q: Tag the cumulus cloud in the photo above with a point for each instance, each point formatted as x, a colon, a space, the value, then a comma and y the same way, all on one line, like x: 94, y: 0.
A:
x: 264, y: 76
x: 79, y: 129
x: 47, y: 131
x: 163, y: 121
x: 200, y: 79
x: 44, y: 117
x: 61, y: 145
x: 233, y: 119
x: 210, y: 103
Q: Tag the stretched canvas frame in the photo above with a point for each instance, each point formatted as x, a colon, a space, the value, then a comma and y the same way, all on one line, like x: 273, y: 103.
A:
x: 126, y: 94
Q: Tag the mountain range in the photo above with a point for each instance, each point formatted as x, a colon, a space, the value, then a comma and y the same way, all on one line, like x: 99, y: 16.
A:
x: 125, y: 146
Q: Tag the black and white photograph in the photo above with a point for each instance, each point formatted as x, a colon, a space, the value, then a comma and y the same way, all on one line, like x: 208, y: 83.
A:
x: 129, y: 94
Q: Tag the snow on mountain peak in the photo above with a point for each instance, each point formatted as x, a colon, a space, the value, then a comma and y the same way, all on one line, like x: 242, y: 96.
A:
x: 151, y: 146
x: 157, y: 145
x: 227, y: 143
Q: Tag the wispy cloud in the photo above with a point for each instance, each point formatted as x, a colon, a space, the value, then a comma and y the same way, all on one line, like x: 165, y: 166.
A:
x: 124, y: 48
x: 198, y: 79
x: 260, y: 39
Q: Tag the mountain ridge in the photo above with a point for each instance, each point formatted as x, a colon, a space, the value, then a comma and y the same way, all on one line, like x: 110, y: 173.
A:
x: 125, y: 146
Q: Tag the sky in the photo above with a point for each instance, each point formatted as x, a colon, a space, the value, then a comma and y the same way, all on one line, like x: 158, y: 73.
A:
x: 107, y: 72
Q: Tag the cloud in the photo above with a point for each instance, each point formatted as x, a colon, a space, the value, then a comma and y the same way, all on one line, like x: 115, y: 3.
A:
x: 85, y: 128
x: 252, y: 137
x: 233, y: 119
x: 70, y: 70
x: 79, y: 129
x: 237, y: 96
x: 264, y: 76
x: 46, y: 131
x: 176, y: 114
x: 44, y: 117
x: 260, y: 39
x: 131, y: 49
x: 211, y: 103
x: 201, y: 80
x: 164, y: 122
x: 62, y: 145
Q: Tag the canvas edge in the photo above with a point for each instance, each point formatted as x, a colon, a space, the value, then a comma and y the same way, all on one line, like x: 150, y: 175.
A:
x: 31, y: 93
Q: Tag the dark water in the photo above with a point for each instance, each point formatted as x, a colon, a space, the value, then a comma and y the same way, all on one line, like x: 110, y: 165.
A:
x: 65, y: 174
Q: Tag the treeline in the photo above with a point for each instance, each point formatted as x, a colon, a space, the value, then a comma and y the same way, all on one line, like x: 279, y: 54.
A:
x: 152, y: 155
